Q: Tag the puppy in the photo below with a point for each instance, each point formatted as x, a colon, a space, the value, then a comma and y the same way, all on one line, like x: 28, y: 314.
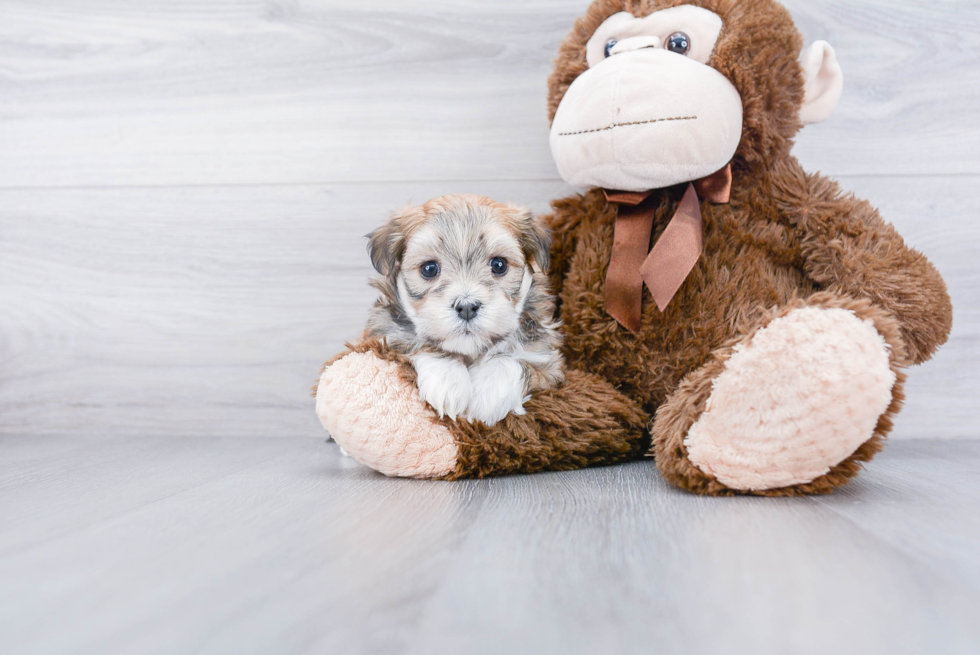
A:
x: 464, y: 295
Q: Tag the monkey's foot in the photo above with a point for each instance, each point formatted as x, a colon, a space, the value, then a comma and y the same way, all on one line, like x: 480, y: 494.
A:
x: 798, y: 398
x: 375, y: 414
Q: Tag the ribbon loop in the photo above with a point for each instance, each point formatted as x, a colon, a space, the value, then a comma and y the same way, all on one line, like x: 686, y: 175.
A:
x: 717, y: 187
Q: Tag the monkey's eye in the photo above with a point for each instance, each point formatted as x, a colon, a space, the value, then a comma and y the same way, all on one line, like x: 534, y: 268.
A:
x: 678, y: 42
x: 610, y: 44
x: 429, y: 270
x: 498, y: 266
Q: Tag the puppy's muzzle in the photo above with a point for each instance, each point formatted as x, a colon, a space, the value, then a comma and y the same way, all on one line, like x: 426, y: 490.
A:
x: 467, y: 309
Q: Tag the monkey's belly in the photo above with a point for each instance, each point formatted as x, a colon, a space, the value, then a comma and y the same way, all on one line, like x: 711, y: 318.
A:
x: 713, y: 306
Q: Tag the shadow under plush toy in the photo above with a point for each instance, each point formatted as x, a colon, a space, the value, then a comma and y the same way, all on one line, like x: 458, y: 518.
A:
x: 758, y: 346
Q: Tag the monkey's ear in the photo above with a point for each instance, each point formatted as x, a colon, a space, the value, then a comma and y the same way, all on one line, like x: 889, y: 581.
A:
x: 535, y: 238
x: 824, y: 82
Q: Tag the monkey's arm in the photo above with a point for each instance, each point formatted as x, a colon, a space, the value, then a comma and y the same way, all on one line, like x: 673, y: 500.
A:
x: 848, y: 249
x: 585, y: 422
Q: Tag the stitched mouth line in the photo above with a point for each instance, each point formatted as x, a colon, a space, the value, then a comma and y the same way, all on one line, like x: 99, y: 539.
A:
x: 615, y: 125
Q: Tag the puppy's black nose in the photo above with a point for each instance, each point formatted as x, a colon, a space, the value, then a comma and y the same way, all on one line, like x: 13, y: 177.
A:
x: 467, y: 309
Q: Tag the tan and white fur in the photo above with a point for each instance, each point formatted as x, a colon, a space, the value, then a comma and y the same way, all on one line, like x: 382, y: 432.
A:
x: 464, y: 295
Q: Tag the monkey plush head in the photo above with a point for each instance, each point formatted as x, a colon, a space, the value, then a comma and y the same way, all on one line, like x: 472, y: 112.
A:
x: 651, y: 93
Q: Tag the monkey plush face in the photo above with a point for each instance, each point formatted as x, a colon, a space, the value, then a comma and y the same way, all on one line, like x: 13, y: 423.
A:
x: 649, y: 112
x: 652, y: 97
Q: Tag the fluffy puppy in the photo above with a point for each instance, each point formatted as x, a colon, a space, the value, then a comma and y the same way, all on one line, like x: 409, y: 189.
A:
x: 464, y: 294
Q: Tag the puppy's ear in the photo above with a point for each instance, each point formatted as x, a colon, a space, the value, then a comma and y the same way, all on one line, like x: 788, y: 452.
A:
x: 386, y: 245
x: 534, y: 236
x: 383, y: 246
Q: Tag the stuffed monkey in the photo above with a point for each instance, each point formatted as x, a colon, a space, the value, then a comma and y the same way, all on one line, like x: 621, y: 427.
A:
x: 742, y: 320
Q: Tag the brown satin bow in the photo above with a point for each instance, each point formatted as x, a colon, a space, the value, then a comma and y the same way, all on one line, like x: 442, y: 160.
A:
x: 672, y: 258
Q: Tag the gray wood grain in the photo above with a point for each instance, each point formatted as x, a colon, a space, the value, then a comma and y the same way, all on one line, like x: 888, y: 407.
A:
x: 208, y: 311
x: 292, y: 548
x: 94, y: 92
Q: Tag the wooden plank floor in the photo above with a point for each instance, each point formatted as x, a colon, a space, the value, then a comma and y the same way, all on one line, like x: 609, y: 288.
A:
x: 279, y: 545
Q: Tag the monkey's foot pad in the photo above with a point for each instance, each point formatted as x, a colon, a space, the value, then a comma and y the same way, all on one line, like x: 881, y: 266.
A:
x: 378, y: 417
x: 800, y: 397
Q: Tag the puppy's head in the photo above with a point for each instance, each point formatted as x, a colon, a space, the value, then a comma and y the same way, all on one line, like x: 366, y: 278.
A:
x: 460, y: 269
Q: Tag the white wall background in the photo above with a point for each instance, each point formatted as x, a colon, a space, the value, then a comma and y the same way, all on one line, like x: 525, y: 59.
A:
x: 185, y: 185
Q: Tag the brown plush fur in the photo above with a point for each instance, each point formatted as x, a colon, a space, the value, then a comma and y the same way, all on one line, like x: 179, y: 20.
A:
x: 787, y: 239
x: 586, y: 422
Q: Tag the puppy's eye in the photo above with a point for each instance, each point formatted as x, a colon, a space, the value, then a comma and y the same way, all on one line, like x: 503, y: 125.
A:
x: 610, y: 44
x: 498, y: 265
x: 678, y: 42
x: 429, y: 270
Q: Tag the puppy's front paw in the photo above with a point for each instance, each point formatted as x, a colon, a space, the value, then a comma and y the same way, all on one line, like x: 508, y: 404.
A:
x: 498, y: 390
x: 443, y: 383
